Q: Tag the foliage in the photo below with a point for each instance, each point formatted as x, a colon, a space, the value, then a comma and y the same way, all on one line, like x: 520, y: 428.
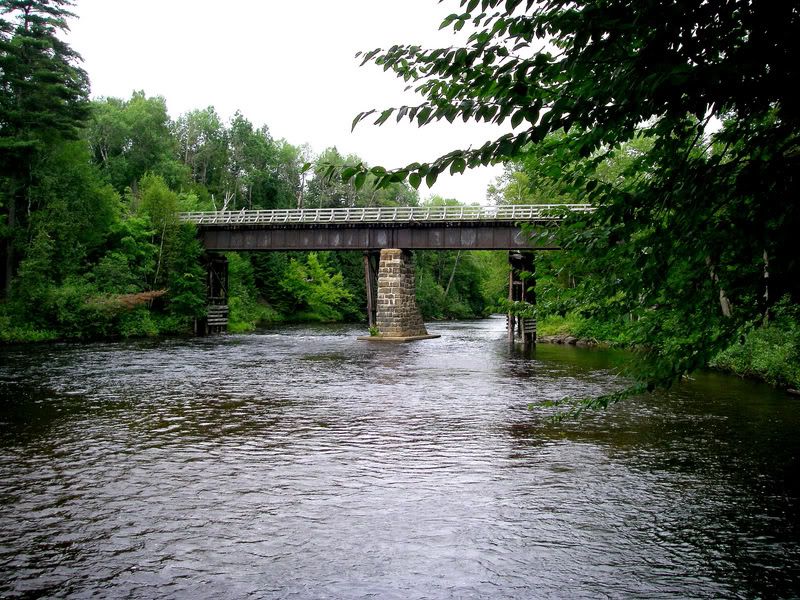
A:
x: 318, y: 293
x: 547, y: 66
x: 69, y: 199
x: 12, y: 332
x: 90, y: 194
x: 130, y: 138
x: 43, y: 102
x: 186, y: 280
x: 614, y: 333
x: 448, y: 285
x: 491, y: 268
x: 246, y: 308
x: 770, y: 352
x: 459, y: 285
x: 202, y: 145
x: 242, y: 294
x: 130, y: 261
x: 325, y: 191
x: 684, y: 244
x: 540, y: 174
x: 45, y: 93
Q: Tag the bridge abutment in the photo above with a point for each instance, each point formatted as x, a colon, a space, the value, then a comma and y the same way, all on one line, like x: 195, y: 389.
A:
x: 397, y: 314
x: 521, y: 323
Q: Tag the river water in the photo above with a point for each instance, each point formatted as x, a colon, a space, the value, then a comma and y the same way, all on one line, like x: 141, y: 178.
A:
x: 298, y: 462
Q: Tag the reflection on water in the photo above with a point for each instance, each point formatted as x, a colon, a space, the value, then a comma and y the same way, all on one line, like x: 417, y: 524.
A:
x: 299, y: 462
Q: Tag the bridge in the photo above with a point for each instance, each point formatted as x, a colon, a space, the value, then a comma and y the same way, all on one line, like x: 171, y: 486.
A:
x: 386, y: 235
x: 407, y: 227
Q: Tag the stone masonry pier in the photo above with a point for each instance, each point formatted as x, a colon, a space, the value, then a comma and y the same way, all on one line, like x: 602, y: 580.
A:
x: 398, y: 317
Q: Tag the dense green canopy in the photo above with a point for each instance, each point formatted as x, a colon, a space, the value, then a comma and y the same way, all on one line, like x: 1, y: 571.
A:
x: 90, y: 194
x: 43, y: 100
x: 695, y: 240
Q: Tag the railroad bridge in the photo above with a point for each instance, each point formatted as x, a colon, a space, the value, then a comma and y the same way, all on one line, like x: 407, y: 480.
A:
x: 386, y: 236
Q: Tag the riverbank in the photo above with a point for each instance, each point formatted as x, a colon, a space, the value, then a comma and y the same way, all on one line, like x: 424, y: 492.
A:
x: 769, y: 353
x: 570, y: 340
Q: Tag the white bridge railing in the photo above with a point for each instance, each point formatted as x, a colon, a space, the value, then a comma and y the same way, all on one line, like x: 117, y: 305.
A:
x: 392, y: 214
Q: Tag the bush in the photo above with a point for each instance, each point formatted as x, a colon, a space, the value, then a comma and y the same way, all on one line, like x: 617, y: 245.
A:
x: 137, y: 323
x: 614, y: 333
x: 770, y: 352
x: 22, y: 332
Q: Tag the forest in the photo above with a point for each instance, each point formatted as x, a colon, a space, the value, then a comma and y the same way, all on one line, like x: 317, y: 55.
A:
x: 90, y: 189
x: 101, y: 252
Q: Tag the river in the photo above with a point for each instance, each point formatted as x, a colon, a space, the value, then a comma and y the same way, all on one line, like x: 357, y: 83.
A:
x: 298, y: 462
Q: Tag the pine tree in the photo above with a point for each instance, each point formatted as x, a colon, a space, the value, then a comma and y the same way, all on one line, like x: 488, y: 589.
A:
x: 43, y: 101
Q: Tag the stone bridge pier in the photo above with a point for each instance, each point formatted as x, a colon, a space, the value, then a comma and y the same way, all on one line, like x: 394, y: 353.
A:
x: 397, y: 316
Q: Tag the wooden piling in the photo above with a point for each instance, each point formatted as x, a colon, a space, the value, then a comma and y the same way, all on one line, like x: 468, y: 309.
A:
x: 521, y: 288
x: 370, y: 276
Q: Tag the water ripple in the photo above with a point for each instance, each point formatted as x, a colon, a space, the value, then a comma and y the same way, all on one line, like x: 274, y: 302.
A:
x: 298, y: 462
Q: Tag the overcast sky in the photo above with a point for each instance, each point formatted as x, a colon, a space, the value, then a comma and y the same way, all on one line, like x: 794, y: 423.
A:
x: 288, y: 65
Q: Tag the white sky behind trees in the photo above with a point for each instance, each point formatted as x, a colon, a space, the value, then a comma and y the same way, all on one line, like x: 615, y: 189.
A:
x: 287, y: 64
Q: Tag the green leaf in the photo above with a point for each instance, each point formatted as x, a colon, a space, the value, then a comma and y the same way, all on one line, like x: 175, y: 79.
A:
x: 397, y: 176
x: 431, y: 178
x: 424, y: 114
x: 447, y: 20
x: 361, y: 177
x: 457, y: 166
x: 384, y: 116
x: 360, y: 117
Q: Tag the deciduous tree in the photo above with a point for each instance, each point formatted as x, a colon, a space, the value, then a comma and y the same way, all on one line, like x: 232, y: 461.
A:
x: 702, y: 238
x: 130, y: 138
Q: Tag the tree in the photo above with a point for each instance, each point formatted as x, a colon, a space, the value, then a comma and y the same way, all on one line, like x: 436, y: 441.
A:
x: 43, y: 101
x: 325, y: 191
x: 252, y: 179
x: 319, y: 294
x: 701, y: 241
x: 202, y: 144
x: 72, y: 205
x: 537, y: 175
x: 130, y: 138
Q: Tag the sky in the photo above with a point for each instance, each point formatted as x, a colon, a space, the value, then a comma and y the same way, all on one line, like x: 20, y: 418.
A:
x: 288, y: 65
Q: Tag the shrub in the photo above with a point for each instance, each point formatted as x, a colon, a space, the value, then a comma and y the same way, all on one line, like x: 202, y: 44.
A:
x: 770, y: 352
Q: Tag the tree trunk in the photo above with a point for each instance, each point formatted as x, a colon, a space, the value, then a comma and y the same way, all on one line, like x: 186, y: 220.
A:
x: 452, y: 274
x: 724, y: 303
x: 160, y: 254
x: 12, y: 225
x: 766, y: 286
